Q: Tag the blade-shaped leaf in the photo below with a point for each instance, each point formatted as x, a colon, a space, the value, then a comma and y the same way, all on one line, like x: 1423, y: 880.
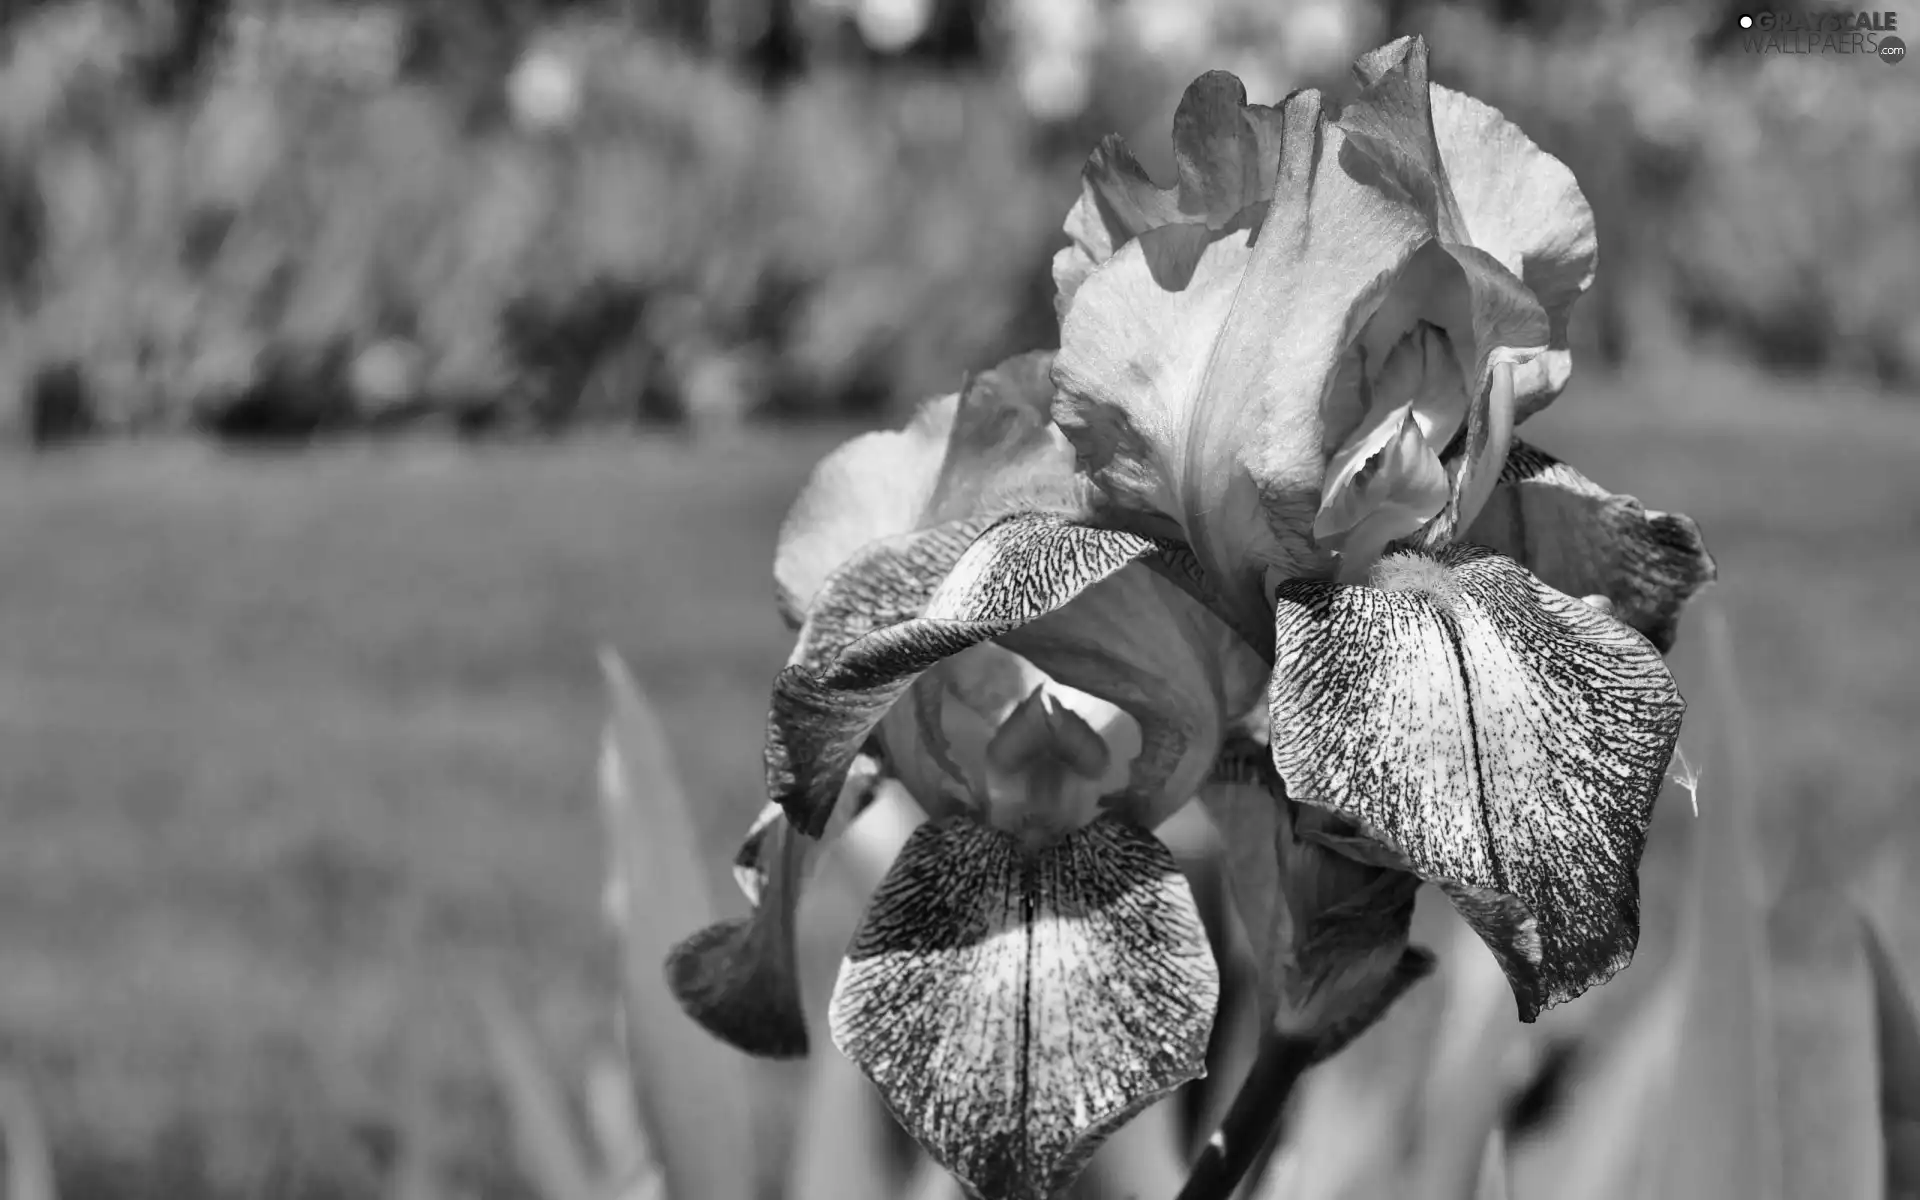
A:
x: 1726, y: 1084
x: 693, y: 1092
x: 1606, y: 1139
x: 1899, y: 1047
x: 24, y: 1139
x: 622, y: 1140
x: 1464, y: 1093
x: 1823, y: 1036
x: 548, y: 1145
x: 1493, y: 1169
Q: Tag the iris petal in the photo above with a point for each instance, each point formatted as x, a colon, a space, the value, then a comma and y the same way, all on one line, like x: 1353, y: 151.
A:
x: 899, y: 608
x: 738, y: 979
x: 989, y: 447
x: 1329, y: 932
x: 1199, y: 399
x: 1199, y: 405
x: 1225, y: 152
x: 1505, y: 739
x: 1142, y: 643
x: 1584, y: 540
x: 1523, y: 207
x: 1015, y: 1009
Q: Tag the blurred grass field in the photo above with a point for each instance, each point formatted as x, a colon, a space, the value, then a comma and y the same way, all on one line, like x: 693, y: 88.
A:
x: 272, y: 727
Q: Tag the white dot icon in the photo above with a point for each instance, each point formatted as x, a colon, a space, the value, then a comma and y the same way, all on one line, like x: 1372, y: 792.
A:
x: 1746, y: 22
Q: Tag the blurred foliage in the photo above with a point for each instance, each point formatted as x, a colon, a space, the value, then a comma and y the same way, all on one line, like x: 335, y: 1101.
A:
x: 282, y: 217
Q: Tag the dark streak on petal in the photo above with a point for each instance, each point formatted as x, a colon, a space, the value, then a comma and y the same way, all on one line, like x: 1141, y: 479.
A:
x: 901, y: 607
x: 1015, y: 1008
x: 1584, y: 540
x: 1507, y: 739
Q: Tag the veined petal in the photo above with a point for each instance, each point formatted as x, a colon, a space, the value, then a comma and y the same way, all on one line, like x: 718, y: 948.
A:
x: 1225, y: 151
x: 989, y: 447
x: 1014, y: 1009
x: 900, y: 607
x: 1199, y: 389
x: 1584, y: 540
x: 1504, y: 738
x: 738, y: 979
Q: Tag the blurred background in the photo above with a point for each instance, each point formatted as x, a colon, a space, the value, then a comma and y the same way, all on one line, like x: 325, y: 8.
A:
x: 364, y: 365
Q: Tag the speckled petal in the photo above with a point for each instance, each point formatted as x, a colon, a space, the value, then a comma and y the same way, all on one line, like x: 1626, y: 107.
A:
x: 1506, y: 739
x: 737, y: 978
x: 1584, y: 540
x: 1015, y: 1009
x: 900, y: 607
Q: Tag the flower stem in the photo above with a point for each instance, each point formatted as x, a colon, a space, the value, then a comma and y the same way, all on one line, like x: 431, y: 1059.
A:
x: 1252, y: 1120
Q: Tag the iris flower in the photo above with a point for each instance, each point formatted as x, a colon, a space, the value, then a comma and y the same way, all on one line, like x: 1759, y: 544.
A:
x: 1305, y: 361
x: 1033, y: 970
x: 1272, y: 458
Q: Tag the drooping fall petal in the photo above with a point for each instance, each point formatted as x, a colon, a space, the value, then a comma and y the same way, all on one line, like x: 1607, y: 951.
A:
x: 1584, y: 540
x: 1507, y: 740
x: 1015, y: 1008
x: 738, y: 978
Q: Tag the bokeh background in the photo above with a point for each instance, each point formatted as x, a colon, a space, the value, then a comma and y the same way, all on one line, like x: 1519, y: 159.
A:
x: 365, y: 365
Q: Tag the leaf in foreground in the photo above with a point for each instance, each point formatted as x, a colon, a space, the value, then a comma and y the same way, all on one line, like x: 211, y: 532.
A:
x: 1724, y: 1128
x: 1899, y: 1047
x: 693, y: 1092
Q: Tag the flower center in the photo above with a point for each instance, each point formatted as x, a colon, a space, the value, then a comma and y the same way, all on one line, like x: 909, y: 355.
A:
x: 1386, y: 479
x: 998, y: 739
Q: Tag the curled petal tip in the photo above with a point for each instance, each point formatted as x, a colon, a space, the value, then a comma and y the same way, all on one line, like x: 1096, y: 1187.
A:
x: 720, y: 980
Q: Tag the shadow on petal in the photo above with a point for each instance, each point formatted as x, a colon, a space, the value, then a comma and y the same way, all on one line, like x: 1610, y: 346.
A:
x: 1507, y: 739
x: 1329, y: 930
x: 899, y: 608
x: 1014, y: 1009
x: 1143, y: 643
x: 1226, y: 153
x: 739, y: 979
x: 1584, y: 540
x: 988, y: 448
